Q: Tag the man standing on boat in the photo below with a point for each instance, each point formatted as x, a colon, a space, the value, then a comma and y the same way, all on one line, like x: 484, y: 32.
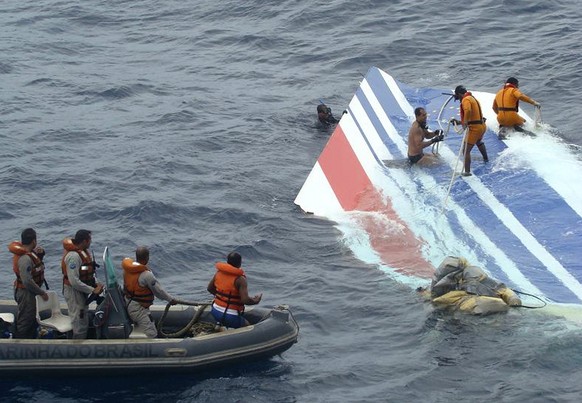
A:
x: 139, y: 287
x: 29, y: 269
x: 230, y: 289
x: 506, y: 106
x: 417, y: 134
x: 472, y: 120
x: 79, y: 280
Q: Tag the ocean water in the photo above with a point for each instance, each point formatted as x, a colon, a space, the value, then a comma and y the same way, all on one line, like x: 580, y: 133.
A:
x: 191, y: 126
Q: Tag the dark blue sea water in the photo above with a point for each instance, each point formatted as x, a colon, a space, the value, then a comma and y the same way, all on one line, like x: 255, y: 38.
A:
x: 190, y: 126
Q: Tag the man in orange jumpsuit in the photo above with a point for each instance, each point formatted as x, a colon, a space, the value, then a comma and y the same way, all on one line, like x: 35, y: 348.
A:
x: 506, y: 106
x: 471, y: 118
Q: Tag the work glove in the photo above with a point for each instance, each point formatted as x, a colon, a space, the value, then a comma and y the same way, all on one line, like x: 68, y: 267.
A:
x: 438, y: 138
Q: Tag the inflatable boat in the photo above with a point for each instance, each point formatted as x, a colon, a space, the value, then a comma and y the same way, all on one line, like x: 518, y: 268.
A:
x: 272, y: 331
x: 189, y: 338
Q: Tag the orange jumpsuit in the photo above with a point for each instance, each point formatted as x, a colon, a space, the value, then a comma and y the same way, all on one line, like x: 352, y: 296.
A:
x: 471, y: 115
x: 506, y: 105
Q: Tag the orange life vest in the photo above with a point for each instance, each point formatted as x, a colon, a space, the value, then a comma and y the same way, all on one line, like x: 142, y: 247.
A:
x: 506, y: 99
x: 86, y: 275
x: 476, y: 116
x: 506, y: 105
x: 131, y: 287
x: 37, y: 266
x: 227, y: 295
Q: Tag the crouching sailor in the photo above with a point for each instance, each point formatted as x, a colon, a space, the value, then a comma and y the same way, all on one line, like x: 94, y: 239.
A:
x: 230, y: 289
x: 466, y: 288
x: 139, y: 287
x: 506, y: 106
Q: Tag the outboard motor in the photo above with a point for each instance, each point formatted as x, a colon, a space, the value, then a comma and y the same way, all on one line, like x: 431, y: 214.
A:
x: 111, y: 320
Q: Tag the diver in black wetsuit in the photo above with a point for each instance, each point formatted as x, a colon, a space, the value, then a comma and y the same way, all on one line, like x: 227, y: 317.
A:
x: 325, y: 116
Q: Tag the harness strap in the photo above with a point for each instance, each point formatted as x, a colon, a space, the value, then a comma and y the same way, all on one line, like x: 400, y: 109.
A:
x: 504, y: 108
x: 141, y: 299
x: 228, y: 303
x: 481, y: 119
x: 229, y: 299
x: 223, y: 321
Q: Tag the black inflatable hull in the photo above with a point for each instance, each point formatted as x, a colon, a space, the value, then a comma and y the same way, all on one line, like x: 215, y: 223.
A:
x: 272, y: 332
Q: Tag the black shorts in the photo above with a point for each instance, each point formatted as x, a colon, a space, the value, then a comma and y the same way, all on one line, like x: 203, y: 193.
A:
x: 415, y: 158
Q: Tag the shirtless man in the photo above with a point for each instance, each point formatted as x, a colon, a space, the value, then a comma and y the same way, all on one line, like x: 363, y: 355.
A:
x: 416, y: 136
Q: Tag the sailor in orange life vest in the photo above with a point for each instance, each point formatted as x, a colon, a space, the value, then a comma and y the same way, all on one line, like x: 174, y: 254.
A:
x: 506, y: 106
x: 79, y: 280
x: 139, y: 287
x: 230, y: 290
x: 471, y: 117
x: 29, y: 269
x: 416, y: 135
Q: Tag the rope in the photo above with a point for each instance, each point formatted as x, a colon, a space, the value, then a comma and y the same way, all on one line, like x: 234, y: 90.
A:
x: 455, y: 168
x: 203, y: 327
x: 446, y: 132
x: 186, y: 329
x: 533, y: 296
x: 537, y: 117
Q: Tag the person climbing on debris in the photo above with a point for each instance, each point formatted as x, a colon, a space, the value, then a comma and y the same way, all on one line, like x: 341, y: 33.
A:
x: 472, y: 120
x: 416, y: 138
x: 506, y: 106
